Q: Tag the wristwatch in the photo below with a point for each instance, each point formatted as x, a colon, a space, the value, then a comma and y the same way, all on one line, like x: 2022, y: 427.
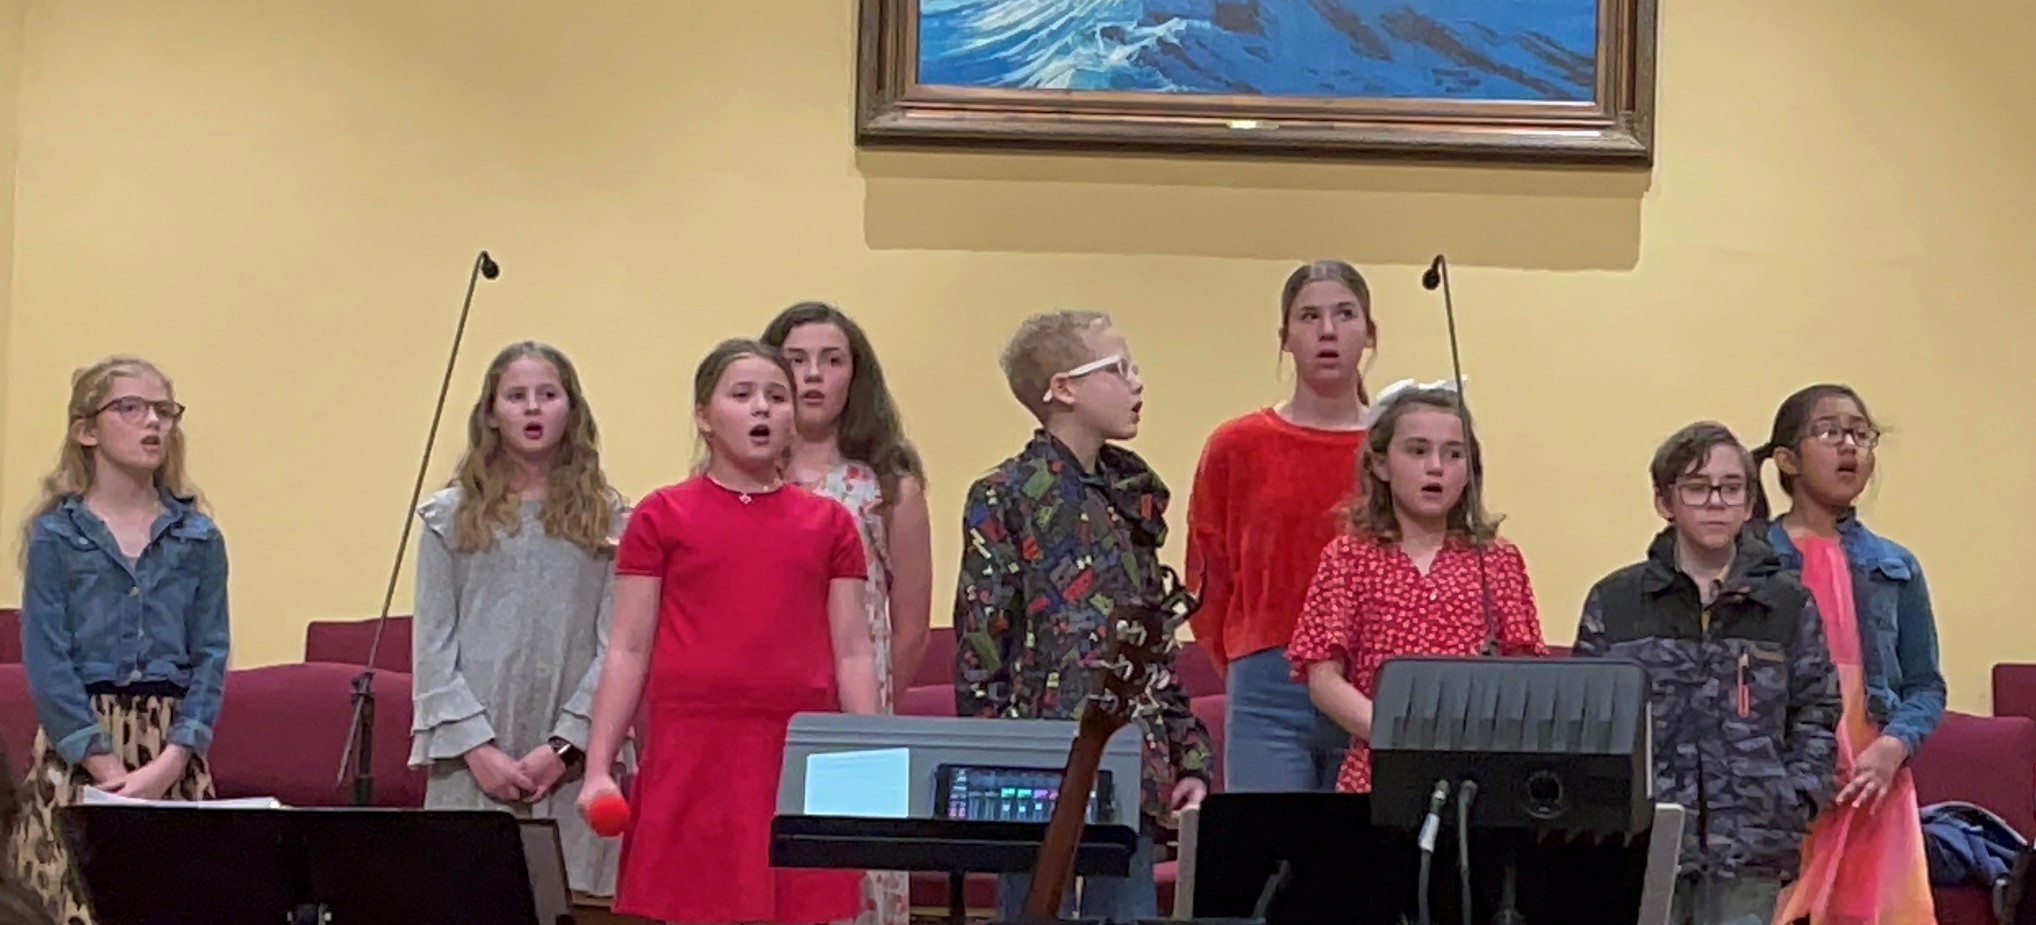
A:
x: 566, y: 751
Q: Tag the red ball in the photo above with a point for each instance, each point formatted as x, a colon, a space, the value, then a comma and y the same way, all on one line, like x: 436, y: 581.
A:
x: 608, y: 815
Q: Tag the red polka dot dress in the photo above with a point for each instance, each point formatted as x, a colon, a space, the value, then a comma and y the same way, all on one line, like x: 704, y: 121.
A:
x: 1369, y: 603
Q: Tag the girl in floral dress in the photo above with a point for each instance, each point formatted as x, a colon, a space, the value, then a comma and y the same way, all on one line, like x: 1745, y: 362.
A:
x: 848, y: 445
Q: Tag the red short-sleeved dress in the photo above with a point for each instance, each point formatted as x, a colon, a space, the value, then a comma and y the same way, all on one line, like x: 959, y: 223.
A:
x: 1369, y: 603
x: 742, y: 644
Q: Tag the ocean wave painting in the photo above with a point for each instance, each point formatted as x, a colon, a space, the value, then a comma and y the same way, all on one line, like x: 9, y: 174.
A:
x: 1475, y: 50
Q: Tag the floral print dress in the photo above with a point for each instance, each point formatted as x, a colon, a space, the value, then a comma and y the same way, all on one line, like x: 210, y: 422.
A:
x: 886, y: 894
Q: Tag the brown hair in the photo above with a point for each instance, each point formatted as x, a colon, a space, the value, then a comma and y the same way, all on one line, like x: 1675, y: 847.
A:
x: 1335, y: 271
x: 1371, y: 513
x: 1791, y: 427
x: 869, y: 430
x: 74, y: 472
x: 1686, y: 449
x: 1044, y: 346
x: 580, y: 506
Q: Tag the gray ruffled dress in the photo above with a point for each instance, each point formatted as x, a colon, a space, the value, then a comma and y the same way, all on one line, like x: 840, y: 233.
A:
x: 507, y: 647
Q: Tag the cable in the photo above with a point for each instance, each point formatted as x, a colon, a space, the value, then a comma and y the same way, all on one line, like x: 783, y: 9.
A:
x: 1436, y: 801
x: 1465, y: 792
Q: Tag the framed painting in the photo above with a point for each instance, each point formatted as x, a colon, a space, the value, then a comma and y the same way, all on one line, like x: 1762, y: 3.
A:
x: 1508, y: 80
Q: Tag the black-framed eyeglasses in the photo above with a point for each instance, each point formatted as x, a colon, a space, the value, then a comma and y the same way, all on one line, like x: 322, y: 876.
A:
x: 135, y: 410
x: 1832, y: 433
x: 1699, y: 494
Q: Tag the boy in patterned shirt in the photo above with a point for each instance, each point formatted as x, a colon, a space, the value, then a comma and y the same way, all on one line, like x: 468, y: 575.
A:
x: 1054, y: 539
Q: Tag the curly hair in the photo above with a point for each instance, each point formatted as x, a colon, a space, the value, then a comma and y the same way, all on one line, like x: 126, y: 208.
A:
x: 580, y: 505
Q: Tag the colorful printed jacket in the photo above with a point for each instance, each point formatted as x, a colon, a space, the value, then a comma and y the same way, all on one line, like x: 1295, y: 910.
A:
x: 1049, y: 550
x: 1746, y: 702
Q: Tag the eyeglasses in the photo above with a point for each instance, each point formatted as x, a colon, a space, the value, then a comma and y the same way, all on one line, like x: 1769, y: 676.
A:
x: 1116, y: 363
x: 1699, y: 494
x: 1831, y: 433
x: 135, y: 410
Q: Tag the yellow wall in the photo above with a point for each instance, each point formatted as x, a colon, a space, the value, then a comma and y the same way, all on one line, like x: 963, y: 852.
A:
x: 279, y: 202
x: 12, y: 18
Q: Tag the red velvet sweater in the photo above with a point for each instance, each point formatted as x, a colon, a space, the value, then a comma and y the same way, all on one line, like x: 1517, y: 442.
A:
x: 1263, y: 506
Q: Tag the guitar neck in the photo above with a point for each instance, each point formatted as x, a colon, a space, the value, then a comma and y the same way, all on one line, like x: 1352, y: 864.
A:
x: 1054, y: 875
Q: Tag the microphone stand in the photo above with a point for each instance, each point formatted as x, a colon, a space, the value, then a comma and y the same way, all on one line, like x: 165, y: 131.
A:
x: 1438, y: 276
x: 360, y: 743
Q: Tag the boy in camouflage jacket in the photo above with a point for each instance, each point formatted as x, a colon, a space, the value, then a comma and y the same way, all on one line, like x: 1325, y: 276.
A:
x: 1746, y: 701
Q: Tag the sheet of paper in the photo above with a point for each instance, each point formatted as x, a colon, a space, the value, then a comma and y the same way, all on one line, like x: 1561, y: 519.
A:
x: 97, y: 797
x: 869, y: 784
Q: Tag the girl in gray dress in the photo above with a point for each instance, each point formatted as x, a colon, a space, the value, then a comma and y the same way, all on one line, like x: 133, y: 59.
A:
x: 513, y: 575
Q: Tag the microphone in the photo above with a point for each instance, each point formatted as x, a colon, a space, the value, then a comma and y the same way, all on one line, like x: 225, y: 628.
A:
x: 361, y: 737
x: 1437, y: 277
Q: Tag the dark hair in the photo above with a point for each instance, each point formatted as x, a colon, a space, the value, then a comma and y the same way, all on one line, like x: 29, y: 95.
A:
x: 1370, y: 511
x: 1686, y: 449
x: 1791, y: 426
x: 1335, y: 271
x: 870, y: 429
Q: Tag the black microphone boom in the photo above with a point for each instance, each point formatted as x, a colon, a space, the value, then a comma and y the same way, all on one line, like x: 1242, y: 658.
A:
x: 1437, y: 277
x: 361, y: 737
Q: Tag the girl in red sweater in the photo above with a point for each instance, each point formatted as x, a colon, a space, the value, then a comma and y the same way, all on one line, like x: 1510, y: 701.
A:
x: 1407, y: 579
x: 1262, y: 508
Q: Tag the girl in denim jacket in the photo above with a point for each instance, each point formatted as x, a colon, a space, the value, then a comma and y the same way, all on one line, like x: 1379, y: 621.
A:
x: 1883, y: 641
x: 123, y: 618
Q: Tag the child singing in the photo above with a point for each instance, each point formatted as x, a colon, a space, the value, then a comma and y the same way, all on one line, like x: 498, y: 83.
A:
x: 1054, y: 539
x: 513, y: 576
x: 848, y: 444
x: 123, y: 618
x: 1883, y: 639
x: 1744, y: 698
x: 1405, y: 579
x: 1264, y: 505
x: 739, y: 601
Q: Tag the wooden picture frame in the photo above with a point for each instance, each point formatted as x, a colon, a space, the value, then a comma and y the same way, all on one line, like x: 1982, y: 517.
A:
x: 1615, y: 126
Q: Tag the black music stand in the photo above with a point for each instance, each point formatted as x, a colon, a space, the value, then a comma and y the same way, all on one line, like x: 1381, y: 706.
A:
x: 956, y: 847
x: 145, y: 865
x: 1346, y: 870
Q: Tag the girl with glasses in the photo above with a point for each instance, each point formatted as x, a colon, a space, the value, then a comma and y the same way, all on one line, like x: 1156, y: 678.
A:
x: 1883, y: 640
x: 123, y: 618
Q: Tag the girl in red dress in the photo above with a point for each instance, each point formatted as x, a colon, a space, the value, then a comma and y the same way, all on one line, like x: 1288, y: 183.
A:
x: 738, y: 603
x: 1405, y: 580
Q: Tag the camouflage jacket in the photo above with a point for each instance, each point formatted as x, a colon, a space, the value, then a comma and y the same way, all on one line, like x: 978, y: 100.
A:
x: 1746, y: 701
x: 1048, y: 552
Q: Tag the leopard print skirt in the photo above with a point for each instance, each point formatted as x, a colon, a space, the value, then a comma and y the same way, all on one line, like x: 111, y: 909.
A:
x: 140, y: 726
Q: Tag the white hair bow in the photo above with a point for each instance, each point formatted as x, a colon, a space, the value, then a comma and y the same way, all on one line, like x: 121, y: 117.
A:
x: 1388, y: 394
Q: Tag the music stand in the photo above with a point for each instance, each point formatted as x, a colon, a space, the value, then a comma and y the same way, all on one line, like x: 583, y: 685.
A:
x: 1347, y: 870
x: 147, y: 865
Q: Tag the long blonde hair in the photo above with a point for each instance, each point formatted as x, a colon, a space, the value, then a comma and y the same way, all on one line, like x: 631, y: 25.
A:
x: 579, y: 506
x: 75, y: 470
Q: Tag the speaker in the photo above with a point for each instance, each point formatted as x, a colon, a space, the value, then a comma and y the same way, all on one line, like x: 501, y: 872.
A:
x: 1556, y: 746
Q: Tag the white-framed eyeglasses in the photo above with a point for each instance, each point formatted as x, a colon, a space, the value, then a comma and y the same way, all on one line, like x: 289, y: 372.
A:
x: 1116, y: 363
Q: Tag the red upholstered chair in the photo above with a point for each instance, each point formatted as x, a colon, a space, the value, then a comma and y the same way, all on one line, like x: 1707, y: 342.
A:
x: 1989, y: 761
x: 283, y: 728
x: 1197, y: 671
x: 17, y: 717
x: 10, y: 636
x: 937, y: 666
x: 347, y: 642
x: 2014, y: 690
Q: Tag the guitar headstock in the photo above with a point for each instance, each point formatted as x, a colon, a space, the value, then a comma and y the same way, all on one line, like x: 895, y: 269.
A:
x: 1135, y: 648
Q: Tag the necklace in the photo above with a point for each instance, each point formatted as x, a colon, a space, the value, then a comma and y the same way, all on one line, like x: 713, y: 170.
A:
x: 742, y: 495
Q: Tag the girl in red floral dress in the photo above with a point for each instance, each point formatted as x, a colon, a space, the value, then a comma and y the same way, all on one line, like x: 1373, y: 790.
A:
x: 1405, y: 581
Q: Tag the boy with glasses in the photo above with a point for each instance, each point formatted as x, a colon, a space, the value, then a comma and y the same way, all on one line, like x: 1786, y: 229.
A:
x: 1053, y: 540
x: 1745, y: 702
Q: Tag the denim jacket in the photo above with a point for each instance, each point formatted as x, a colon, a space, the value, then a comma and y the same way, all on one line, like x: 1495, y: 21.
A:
x: 1897, y: 631
x: 91, y: 622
